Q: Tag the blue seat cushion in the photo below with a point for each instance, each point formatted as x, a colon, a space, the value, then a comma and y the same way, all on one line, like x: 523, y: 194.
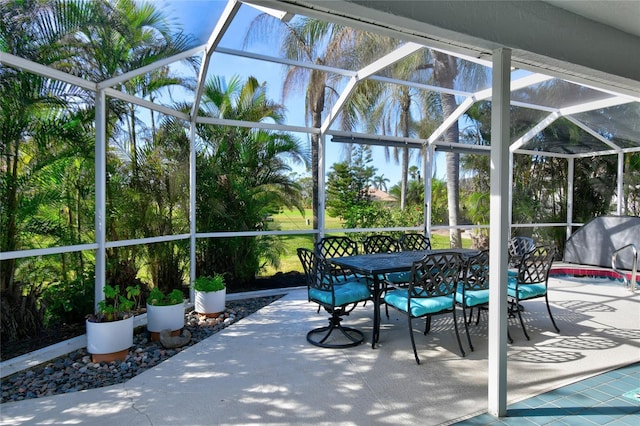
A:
x: 342, y: 279
x: 419, y: 306
x: 399, y: 277
x: 345, y: 293
x: 472, y: 297
x: 512, y: 273
x: 526, y: 291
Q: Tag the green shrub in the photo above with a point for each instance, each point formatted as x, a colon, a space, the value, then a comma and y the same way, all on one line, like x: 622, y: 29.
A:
x: 116, y: 306
x: 158, y: 298
x: 68, y: 301
x: 209, y: 284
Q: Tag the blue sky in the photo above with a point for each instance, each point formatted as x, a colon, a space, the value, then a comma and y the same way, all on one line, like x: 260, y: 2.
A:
x: 198, y: 18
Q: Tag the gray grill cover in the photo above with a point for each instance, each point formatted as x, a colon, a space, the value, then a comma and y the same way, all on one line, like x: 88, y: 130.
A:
x: 595, y: 241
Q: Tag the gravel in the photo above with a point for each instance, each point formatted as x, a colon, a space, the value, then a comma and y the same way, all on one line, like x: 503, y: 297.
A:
x: 75, y: 371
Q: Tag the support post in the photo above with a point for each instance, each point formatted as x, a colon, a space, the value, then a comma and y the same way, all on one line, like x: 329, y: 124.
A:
x: 621, y: 197
x: 428, y: 181
x: 322, y: 152
x: 499, y: 233
x: 192, y: 209
x: 510, y: 214
x: 101, y: 196
x: 571, y: 177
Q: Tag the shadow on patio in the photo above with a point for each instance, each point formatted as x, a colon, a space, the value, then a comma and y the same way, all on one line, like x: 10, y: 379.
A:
x: 262, y: 371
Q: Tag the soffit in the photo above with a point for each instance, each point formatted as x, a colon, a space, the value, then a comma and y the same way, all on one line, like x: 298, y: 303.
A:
x: 622, y: 15
x: 543, y: 37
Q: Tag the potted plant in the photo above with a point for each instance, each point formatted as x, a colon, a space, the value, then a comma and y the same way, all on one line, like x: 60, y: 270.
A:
x: 164, y: 312
x: 210, y: 295
x: 110, y: 330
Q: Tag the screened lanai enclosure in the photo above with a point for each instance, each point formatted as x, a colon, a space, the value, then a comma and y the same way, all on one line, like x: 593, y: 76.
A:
x: 157, y: 142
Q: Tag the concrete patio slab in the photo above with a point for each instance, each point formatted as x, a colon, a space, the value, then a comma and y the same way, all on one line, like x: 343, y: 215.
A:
x: 262, y: 370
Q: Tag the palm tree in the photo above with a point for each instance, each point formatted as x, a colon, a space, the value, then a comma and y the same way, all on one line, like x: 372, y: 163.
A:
x: 129, y: 35
x: 380, y: 182
x: 315, y: 42
x: 385, y: 107
x: 242, y: 177
x: 446, y: 69
x: 51, y: 123
x: 43, y: 139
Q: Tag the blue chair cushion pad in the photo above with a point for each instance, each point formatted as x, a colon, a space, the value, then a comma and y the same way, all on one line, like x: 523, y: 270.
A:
x: 526, y: 291
x: 345, y: 293
x: 419, y: 306
x: 399, y: 277
x: 472, y: 297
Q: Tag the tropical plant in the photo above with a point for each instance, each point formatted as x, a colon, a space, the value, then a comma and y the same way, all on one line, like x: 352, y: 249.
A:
x: 380, y: 182
x: 311, y: 41
x: 209, y: 283
x: 158, y: 298
x: 47, y: 133
x: 68, y: 302
x: 446, y: 71
x: 389, y: 108
x: 242, y: 177
x: 116, y: 306
x: 45, y: 159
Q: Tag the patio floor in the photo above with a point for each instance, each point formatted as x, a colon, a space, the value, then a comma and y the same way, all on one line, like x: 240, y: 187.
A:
x: 262, y: 371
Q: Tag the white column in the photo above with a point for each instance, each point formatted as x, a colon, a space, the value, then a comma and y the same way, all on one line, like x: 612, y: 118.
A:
x: 101, y: 197
x: 570, y: 180
x: 620, y: 183
x: 510, y: 171
x: 427, y: 172
x: 322, y: 153
x: 499, y: 233
x: 192, y: 208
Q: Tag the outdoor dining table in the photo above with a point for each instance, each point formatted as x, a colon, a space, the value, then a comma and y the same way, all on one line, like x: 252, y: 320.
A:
x: 376, y: 265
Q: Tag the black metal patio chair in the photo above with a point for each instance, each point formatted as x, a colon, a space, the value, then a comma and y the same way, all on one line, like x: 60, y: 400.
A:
x: 473, y: 290
x: 380, y: 243
x: 431, y: 291
x: 531, y: 281
x: 518, y: 247
x: 386, y: 244
x: 337, y: 299
x: 414, y: 242
x: 329, y: 247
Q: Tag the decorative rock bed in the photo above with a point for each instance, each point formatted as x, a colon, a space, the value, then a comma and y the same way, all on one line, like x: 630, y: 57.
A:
x: 75, y: 371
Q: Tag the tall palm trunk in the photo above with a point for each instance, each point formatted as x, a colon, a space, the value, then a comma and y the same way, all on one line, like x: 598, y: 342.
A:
x: 316, y: 105
x: 445, y: 70
x: 453, y: 173
x: 405, y: 105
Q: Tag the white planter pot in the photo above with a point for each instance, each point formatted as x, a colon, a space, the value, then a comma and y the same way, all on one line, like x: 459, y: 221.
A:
x: 109, y: 337
x: 210, y: 302
x: 165, y: 317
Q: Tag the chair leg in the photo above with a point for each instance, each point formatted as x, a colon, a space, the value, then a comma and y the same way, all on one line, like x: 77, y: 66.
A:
x: 466, y: 324
x: 354, y: 336
x: 455, y: 326
x: 524, y: 330
x: 470, y: 313
x: 427, y: 325
x: 413, y: 342
x: 480, y: 308
x: 551, y: 316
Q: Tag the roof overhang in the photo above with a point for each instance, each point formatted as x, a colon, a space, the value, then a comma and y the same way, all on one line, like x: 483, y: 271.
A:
x: 542, y: 36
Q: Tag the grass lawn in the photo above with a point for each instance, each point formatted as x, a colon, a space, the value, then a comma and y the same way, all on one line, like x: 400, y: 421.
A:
x: 293, y: 220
